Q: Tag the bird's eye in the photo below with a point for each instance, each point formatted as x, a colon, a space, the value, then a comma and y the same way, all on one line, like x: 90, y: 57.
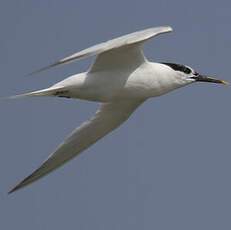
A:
x: 187, y: 70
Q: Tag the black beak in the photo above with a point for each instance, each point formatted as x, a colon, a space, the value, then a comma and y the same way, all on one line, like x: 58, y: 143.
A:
x: 204, y: 78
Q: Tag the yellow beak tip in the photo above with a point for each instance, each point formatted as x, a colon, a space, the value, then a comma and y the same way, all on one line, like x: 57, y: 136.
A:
x: 225, y: 82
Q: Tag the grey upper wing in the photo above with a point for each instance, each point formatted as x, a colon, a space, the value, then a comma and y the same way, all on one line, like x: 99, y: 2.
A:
x: 108, y: 117
x: 131, y: 40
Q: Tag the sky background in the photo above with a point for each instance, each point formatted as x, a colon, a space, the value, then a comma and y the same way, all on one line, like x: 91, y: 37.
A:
x: 168, y: 167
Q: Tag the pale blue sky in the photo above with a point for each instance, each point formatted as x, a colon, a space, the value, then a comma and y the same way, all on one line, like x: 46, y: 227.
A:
x: 168, y: 167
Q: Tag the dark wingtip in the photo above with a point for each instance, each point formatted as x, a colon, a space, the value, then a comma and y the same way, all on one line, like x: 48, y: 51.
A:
x: 26, y: 181
x: 11, y: 191
x: 14, y: 189
x: 43, y: 69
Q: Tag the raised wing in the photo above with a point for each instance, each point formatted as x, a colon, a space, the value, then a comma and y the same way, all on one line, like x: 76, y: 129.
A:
x: 108, y: 117
x: 123, y: 41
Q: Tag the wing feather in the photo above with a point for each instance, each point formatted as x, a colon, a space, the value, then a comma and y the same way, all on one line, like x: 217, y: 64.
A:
x: 135, y: 38
x: 107, y: 118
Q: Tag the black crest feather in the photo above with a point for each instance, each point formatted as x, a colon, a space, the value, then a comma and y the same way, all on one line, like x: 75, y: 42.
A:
x: 178, y: 67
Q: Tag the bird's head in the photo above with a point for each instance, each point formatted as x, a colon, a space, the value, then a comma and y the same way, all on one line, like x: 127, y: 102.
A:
x: 190, y: 75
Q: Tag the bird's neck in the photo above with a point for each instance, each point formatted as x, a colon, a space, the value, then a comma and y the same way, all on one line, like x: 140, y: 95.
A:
x: 163, y: 79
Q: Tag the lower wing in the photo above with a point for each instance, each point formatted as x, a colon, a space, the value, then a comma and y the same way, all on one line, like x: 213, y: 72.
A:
x: 107, y: 118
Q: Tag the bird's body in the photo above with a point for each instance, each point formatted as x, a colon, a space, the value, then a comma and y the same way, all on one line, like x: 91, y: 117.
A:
x: 121, y: 78
x: 143, y: 82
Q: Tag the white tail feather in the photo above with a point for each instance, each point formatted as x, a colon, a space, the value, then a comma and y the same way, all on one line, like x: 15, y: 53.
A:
x: 42, y: 92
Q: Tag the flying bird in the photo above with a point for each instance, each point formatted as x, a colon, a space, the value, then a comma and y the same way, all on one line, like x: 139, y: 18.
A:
x: 121, y: 79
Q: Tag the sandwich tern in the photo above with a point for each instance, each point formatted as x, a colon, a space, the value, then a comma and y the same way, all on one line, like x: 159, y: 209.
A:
x: 121, y: 79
